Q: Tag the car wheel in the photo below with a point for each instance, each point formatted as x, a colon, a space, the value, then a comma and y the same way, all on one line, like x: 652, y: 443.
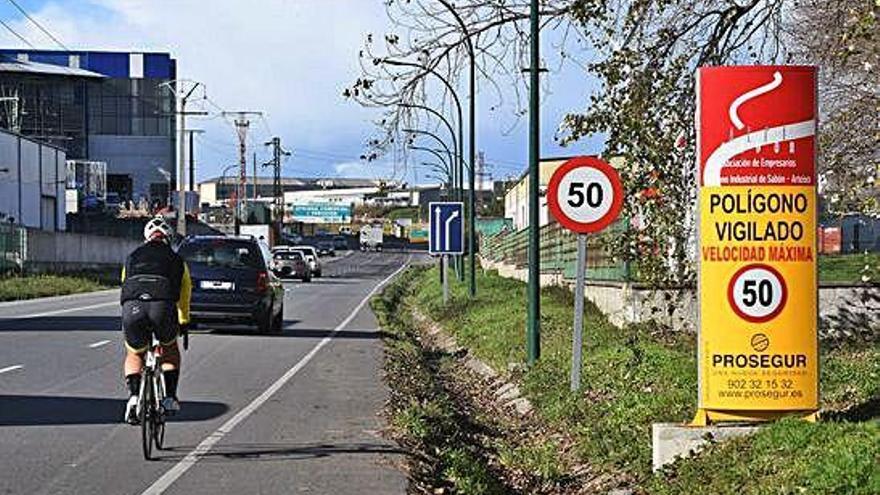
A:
x: 265, y: 323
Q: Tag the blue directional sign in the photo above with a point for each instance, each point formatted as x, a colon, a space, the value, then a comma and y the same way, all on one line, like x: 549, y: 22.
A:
x: 446, y: 228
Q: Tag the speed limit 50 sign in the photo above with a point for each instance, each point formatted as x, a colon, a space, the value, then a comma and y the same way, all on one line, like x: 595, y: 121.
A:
x: 585, y: 195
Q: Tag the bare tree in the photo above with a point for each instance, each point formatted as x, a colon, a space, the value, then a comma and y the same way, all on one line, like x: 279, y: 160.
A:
x: 427, y: 38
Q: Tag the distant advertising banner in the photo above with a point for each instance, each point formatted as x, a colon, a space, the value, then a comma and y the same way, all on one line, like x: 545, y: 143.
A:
x: 321, y: 213
x: 418, y: 235
x: 758, y: 346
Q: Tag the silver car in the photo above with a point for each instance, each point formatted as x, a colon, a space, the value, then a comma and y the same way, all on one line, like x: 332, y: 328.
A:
x: 311, y: 256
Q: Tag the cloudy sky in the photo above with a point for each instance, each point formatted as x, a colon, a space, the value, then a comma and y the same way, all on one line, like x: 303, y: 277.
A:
x: 290, y: 59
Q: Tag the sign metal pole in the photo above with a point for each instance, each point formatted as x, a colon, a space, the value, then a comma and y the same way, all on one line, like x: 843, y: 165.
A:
x: 578, y: 338
x: 443, y: 263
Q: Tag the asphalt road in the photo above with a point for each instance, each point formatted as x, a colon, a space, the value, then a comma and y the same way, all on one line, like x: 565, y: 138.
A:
x: 295, y: 413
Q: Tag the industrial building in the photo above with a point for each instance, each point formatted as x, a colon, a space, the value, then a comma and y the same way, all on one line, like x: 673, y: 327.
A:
x: 112, y: 107
x: 32, y: 183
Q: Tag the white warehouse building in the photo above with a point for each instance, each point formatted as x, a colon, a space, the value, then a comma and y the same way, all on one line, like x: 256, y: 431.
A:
x: 33, y: 176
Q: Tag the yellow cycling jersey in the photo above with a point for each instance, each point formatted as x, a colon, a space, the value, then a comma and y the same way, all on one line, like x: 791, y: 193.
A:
x: 185, y: 295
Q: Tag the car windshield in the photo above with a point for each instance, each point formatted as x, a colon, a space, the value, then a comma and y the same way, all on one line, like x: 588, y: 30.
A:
x: 288, y: 255
x: 223, y: 254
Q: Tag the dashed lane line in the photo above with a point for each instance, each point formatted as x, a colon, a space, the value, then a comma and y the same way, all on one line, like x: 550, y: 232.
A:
x: 11, y: 368
x: 99, y: 343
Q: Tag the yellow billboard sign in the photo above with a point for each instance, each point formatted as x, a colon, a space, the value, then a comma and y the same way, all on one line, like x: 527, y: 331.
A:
x: 758, y: 341
x: 758, y: 335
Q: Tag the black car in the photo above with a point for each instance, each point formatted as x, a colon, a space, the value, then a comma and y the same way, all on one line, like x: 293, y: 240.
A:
x: 325, y: 248
x: 233, y: 282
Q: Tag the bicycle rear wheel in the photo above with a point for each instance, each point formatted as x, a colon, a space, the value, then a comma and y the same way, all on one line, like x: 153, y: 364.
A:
x: 147, y: 415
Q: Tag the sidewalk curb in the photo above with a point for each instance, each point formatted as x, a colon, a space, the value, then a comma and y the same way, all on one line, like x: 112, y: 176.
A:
x: 507, y: 394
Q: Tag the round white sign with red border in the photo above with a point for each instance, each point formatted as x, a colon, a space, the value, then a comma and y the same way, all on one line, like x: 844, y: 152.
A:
x: 757, y: 293
x: 585, y: 194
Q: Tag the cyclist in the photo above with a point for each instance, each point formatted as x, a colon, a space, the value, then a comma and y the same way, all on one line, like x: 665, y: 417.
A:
x: 156, y: 290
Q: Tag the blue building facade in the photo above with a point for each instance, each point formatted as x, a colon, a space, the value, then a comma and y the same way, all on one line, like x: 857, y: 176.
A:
x: 113, y: 107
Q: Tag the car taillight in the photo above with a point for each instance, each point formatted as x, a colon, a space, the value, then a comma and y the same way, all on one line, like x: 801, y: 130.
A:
x: 262, y: 282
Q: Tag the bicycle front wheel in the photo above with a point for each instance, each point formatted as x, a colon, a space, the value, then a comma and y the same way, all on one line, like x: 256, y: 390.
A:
x: 159, y: 434
x: 147, y: 416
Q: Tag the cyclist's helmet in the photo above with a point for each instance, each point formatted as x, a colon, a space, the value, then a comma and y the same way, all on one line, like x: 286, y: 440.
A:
x: 157, y: 228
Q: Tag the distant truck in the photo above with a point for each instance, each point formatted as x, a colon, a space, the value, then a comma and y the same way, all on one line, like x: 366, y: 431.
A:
x: 371, y: 238
x: 263, y: 233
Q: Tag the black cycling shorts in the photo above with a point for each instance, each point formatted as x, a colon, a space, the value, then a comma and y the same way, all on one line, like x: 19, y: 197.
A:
x: 142, y: 319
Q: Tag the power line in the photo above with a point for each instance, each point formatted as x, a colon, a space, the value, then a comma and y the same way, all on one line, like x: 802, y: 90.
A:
x: 22, y: 38
x: 40, y: 26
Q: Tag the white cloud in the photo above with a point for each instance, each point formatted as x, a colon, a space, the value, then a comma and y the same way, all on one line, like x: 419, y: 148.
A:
x: 288, y: 58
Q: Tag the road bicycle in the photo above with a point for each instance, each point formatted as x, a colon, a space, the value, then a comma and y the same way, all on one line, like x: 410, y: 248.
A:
x: 151, y: 414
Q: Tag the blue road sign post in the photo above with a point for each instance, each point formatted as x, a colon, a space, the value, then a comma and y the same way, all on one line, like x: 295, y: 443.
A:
x: 446, y: 222
x: 446, y: 228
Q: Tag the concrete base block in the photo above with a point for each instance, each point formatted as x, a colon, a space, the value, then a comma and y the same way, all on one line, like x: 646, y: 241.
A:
x: 673, y: 440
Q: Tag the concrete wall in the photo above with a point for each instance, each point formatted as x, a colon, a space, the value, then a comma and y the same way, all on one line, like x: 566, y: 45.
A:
x: 63, y: 251
x: 844, y: 311
x: 32, y: 188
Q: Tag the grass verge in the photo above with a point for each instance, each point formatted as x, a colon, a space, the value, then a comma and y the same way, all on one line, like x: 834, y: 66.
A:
x: 443, y: 440
x: 634, y: 377
x: 33, y: 286
x: 848, y: 268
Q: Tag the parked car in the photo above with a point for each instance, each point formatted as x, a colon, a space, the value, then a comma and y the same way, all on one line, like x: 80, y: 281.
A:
x: 233, y: 282
x: 311, y: 255
x: 326, y: 248
x: 291, y: 264
x: 291, y: 239
x: 340, y: 242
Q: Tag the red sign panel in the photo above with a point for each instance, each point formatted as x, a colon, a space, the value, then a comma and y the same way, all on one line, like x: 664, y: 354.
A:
x: 758, y: 125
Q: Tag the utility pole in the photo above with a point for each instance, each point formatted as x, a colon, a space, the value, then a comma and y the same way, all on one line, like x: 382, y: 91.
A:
x: 277, y: 153
x: 179, y: 89
x: 481, y: 176
x: 255, y: 176
x: 241, y: 127
x: 533, y: 334
x: 192, y: 157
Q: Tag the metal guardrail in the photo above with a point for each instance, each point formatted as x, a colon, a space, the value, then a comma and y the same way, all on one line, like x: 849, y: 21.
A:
x: 558, y: 252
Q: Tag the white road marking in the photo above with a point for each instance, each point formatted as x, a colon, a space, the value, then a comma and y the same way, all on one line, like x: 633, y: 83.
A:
x: 99, y: 344
x: 59, y: 311
x: 11, y: 368
x: 205, y: 446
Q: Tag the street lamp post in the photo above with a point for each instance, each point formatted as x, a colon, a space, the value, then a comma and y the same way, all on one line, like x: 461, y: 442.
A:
x: 472, y: 142
x: 456, y: 143
x: 435, y: 138
x: 533, y: 334
x: 448, y: 168
x: 448, y: 85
